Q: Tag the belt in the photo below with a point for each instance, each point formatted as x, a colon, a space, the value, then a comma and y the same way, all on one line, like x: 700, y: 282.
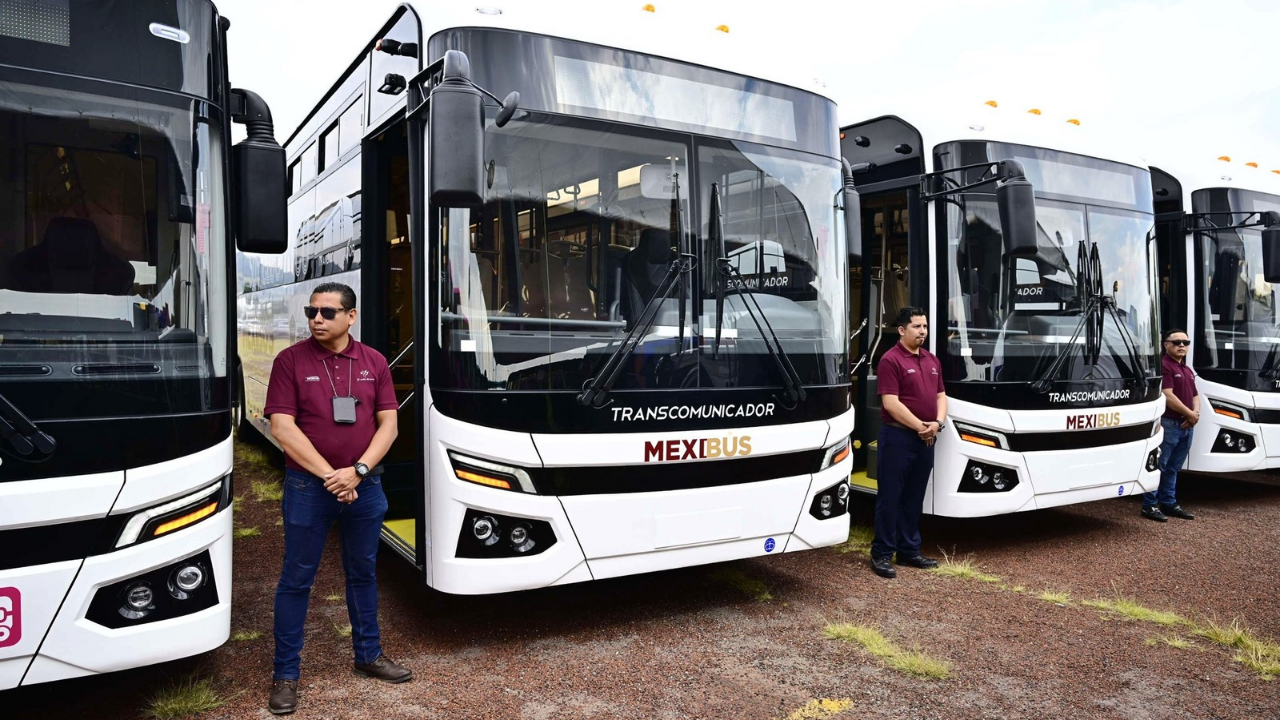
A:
x: 896, y: 424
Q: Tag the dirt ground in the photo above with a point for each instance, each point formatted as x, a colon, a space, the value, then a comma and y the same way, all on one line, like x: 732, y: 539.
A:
x: 745, y: 639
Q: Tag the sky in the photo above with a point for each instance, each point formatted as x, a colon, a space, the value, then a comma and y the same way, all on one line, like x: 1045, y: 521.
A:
x: 1183, y: 80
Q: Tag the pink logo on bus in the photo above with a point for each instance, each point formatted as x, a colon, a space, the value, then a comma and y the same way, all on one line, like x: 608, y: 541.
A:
x: 10, y: 616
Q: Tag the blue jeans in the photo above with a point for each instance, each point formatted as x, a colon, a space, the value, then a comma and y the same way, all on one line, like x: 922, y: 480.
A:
x: 1173, y: 453
x: 902, y: 475
x: 309, y: 512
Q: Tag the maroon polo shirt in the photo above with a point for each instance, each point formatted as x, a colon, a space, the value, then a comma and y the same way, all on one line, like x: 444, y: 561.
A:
x: 300, y: 386
x: 1179, y: 378
x: 915, y: 379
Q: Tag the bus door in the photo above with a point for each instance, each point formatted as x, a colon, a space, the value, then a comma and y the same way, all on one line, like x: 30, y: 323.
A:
x: 387, y: 282
x: 884, y: 282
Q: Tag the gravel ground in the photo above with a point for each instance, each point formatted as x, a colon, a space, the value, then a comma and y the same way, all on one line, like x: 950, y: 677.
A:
x: 703, y: 643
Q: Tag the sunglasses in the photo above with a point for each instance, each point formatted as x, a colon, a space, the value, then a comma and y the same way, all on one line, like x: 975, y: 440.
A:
x: 329, y: 313
x: 1181, y: 343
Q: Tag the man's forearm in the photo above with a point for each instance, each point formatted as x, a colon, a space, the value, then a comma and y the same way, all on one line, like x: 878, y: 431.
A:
x: 380, y: 444
x: 297, y: 446
x: 942, y: 408
x: 900, y: 413
x: 1176, y: 405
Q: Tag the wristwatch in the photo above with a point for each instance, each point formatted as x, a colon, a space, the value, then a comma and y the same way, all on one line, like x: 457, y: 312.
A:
x: 941, y: 425
x: 362, y: 470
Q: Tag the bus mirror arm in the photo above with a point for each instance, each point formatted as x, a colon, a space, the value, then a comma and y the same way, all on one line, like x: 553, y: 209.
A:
x: 258, y: 178
x: 1015, y: 197
x: 455, y: 108
x: 852, y: 214
x: 1267, y: 220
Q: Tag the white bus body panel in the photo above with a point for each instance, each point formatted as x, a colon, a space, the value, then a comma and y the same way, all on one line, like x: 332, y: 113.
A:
x: 1046, y: 478
x: 56, y: 596
x: 1266, y: 452
x: 610, y: 535
x: 75, y: 646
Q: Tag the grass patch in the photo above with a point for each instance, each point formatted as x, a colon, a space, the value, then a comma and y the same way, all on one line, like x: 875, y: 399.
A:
x: 185, y: 697
x: 333, y: 597
x: 859, y: 541
x: 965, y: 569
x: 244, y: 532
x: 1019, y: 588
x: 245, y: 635
x: 1173, y: 641
x: 1130, y: 609
x: 1261, y: 656
x: 267, y: 490
x: 912, y: 662
x: 1055, y: 597
x: 342, y: 630
x: 1233, y: 634
x: 821, y: 709
x: 259, y: 458
x: 743, y: 583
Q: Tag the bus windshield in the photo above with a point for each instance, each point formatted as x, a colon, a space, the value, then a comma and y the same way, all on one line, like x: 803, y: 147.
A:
x: 1242, y: 331
x: 112, y: 262
x: 582, y: 222
x: 1081, y: 308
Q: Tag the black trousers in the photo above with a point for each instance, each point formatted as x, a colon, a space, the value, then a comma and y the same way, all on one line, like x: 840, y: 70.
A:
x: 902, y: 475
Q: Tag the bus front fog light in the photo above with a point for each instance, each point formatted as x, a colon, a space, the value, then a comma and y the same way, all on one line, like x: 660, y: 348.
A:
x: 186, y: 580
x: 976, y: 472
x: 485, y: 529
x: 997, y: 480
x: 1228, y: 440
x: 843, y: 491
x: 137, y: 601
x: 520, y: 540
x: 825, y: 502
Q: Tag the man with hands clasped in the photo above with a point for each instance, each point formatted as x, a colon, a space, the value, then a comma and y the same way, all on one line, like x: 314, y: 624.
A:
x: 913, y: 410
x: 333, y: 409
x: 1182, y: 412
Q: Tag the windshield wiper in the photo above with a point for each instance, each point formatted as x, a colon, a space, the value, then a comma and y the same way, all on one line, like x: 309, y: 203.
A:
x: 598, y: 387
x: 792, y: 386
x: 22, y: 434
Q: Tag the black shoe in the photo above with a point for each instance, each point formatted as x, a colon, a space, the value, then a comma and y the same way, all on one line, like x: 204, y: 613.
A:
x: 386, y: 670
x: 919, y: 561
x: 284, y: 697
x: 1177, y: 511
x: 1153, y: 513
x: 883, y: 567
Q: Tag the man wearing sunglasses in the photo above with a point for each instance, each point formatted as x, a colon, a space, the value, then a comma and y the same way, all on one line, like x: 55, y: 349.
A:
x: 1182, y: 412
x: 333, y: 410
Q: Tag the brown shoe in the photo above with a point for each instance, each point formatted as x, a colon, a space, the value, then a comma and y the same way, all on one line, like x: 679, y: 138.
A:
x: 386, y: 670
x: 284, y: 697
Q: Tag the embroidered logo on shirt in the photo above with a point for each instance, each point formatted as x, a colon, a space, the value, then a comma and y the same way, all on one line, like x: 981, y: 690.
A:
x: 910, y: 370
x: 313, y: 378
x: 933, y: 370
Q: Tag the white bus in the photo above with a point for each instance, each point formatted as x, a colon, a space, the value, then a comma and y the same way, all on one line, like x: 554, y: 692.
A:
x: 1045, y: 328
x: 1218, y: 231
x: 116, y: 205
x: 589, y: 386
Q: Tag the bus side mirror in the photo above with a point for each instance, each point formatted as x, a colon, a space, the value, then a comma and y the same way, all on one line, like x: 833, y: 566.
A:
x: 259, y: 179
x: 1017, y: 202
x: 455, y: 135
x: 852, y: 216
x: 1271, y: 246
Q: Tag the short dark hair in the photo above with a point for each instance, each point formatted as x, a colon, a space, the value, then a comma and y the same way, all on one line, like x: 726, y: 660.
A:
x: 348, y: 295
x: 1170, y: 333
x: 905, y: 314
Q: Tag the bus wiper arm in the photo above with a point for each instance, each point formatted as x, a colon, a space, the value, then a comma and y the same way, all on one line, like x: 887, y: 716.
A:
x: 21, y: 433
x: 1130, y: 344
x: 597, y: 389
x: 1044, y: 382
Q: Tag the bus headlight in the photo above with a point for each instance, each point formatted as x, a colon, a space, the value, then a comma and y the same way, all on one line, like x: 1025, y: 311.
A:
x: 831, y: 502
x: 1233, y: 441
x: 136, y: 601
x: 188, y: 510
x: 491, y: 474
x: 143, y: 598
x: 985, y: 477
x: 483, y: 532
x: 186, y: 580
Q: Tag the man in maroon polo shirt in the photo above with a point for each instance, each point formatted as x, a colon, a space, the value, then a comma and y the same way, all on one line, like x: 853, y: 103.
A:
x: 913, y: 410
x: 333, y: 410
x: 1182, y: 412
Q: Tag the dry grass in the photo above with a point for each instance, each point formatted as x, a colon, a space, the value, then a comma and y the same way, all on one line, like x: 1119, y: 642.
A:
x: 859, y: 541
x: 821, y: 709
x: 262, y: 459
x: 342, y: 630
x: 1057, y: 598
x: 1262, y: 658
x: 185, y: 697
x: 965, y: 569
x: 245, y: 635
x: 244, y: 532
x: 1130, y: 609
x: 1174, y: 641
x: 267, y: 491
x: 1234, y: 634
x: 333, y: 597
x: 912, y: 662
x: 743, y: 583
x: 1258, y: 654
